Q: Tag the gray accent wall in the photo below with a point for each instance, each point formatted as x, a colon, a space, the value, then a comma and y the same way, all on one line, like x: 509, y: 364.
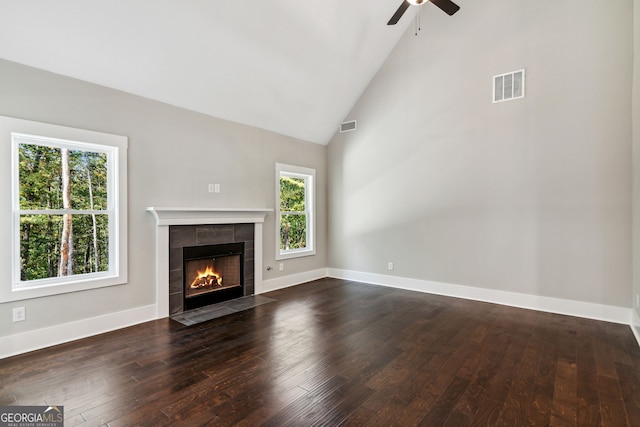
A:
x: 530, y: 196
x: 173, y: 155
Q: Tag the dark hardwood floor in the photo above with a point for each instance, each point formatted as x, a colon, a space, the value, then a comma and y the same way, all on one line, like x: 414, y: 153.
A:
x: 332, y: 352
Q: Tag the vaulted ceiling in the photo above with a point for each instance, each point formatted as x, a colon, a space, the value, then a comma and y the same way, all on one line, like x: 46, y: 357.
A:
x: 293, y: 67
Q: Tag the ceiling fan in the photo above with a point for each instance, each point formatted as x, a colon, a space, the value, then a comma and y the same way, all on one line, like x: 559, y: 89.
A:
x: 447, y: 7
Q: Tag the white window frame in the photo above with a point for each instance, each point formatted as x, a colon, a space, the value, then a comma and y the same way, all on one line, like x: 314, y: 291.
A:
x: 14, y: 132
x: 309, y: 175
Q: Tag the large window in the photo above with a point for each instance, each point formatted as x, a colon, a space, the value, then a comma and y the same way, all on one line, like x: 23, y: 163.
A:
x: 295, y: 201
x: 67, y: 197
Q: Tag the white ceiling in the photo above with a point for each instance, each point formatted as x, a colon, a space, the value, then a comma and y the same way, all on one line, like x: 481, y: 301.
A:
x: 289, y: 66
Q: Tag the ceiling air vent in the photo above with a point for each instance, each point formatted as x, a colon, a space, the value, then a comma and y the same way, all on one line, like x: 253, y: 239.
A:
x: 508, y: 86
x: 348, y: 126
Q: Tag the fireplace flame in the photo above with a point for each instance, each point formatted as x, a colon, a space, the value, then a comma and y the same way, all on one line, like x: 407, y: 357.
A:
x: 206, y: 278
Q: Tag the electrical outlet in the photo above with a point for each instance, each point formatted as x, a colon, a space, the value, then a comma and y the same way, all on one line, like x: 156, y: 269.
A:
x: 281, y: 266
x: 19, y: 314
x: 211, y: 188
x: 390, y: 266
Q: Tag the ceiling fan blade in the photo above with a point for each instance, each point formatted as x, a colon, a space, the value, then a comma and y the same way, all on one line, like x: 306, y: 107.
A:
x: 447, y: 6
x: 396, y: 16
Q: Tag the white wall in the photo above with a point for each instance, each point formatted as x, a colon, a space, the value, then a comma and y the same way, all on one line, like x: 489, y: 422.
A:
x: 173, y: 155
x: 531, y: 196
x: 636, y: 165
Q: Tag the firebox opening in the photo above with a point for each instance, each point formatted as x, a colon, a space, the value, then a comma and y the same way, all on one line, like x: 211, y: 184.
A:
x: 212, y: 274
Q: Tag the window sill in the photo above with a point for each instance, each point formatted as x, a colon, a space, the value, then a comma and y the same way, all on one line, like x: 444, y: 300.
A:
x: 48, y: 289
x: 295, y: 254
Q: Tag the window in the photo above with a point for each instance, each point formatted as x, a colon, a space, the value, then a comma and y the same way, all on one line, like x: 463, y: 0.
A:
x: 69, y: 209
x: 295, y: 207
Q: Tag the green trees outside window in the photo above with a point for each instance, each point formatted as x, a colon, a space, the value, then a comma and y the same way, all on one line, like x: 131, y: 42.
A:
x: 64, y: 223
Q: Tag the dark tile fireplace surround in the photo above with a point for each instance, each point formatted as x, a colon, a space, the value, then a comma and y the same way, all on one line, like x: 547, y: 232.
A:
x: 181, y: 236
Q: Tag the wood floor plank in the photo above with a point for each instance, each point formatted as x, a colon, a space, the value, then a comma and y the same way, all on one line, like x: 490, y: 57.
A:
x: 334, y: 352
x: 444, y: 406
x: 308, y: 409
x: 517, y: 401
x: 588, y: 401
x: 539, y: 411
x: 612, y: 407
x: 564, y: 407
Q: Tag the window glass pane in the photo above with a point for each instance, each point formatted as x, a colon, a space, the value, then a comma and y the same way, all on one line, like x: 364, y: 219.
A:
x: 41, y: 173
x: 292, y: 194
x: 293, y: 232
x: 88, y: 180
x: 91, y: 243
x: 41, y: 245
x: 40, y: 177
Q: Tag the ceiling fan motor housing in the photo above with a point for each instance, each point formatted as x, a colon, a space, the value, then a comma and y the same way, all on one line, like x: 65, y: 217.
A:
x: 447, y: 6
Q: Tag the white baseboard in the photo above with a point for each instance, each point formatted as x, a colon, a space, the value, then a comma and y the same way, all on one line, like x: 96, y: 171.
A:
x: 291, y: 280
x: 34, y: 340
x: 635, y: 325
x: 534, y: 302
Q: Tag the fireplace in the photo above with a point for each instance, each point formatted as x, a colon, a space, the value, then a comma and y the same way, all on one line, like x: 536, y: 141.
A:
x: 177, y: 227
x: 212, y: 274
x: 223, y: 254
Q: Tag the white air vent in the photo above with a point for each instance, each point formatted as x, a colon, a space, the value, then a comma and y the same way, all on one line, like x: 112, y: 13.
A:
x: 348, y: 126
x: 508, y: 86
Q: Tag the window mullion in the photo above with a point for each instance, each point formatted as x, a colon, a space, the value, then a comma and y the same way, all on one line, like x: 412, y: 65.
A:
x: 63, y: 211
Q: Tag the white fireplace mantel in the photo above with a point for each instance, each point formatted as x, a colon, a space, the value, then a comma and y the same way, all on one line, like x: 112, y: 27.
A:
x: 195, y: 216
x: 166, y: 216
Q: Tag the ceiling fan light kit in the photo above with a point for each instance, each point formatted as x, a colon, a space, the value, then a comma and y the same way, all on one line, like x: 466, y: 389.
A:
x: 447, y: 6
